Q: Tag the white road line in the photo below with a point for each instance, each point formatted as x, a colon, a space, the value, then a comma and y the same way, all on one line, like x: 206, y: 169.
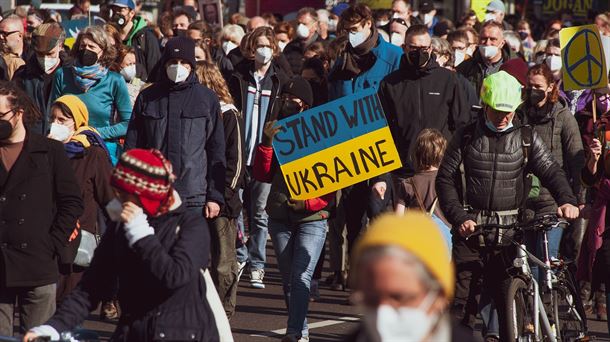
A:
x: 321, y: 324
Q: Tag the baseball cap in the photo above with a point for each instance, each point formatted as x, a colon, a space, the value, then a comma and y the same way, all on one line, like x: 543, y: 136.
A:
x: 123, y: 3
x: 426, y: 7
x: 501, y: 91
x: 46, y: 37
x: 496, y: 6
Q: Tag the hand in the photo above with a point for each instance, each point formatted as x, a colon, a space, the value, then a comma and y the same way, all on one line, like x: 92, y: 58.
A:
x: 30, y: 336
x: 568, y: 212
x: 41, y: 331
x: 467, y: 228
x: 130, y: 211
x: 379, y: 189
x: 135, y: 224
x: 269, y: 132
x: 296, y: 205
x: 596, y: 149
x: 212, y: 209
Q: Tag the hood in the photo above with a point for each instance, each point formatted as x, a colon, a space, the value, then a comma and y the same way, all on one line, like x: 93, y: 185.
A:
x: 413, y: 72
x: 527, y: 112
x: 138, y: 24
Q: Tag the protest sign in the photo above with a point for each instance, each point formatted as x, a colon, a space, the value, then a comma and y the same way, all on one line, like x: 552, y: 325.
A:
x: 335, y: 145
x: 479, y: 7
x: 377, y: 4
x: 582, y: 56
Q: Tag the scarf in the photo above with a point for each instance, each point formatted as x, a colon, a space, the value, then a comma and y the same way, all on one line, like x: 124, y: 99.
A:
x: 357, y: 59
x: 87, y: 76
x: 82, y: 139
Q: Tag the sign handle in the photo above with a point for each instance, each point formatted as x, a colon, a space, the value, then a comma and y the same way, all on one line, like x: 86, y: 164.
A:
x: 594, y: 107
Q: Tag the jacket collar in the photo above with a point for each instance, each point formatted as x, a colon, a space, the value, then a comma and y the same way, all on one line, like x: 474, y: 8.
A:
x: 25, y: 164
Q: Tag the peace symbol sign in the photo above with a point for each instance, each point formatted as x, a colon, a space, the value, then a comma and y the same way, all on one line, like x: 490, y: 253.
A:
x: 589, y: 69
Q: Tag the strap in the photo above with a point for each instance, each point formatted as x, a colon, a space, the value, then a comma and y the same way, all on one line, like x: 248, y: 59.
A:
x: 420, y: 203
x: 526, y: 143
x: 466, y: 139
x: 433, y: 206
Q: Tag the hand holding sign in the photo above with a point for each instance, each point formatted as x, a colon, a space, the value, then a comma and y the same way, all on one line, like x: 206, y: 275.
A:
x: 269, y: 132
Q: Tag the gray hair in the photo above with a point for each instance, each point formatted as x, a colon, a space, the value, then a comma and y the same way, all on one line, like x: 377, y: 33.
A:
x: 233, y: 33
x: 323, y: 15
x: 441, y: 48
x: 513, y: 40
x: 100, y: 37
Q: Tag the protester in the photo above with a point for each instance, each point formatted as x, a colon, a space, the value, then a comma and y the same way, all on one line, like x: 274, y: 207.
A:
x: 306, y: 34
x: 12, y: 44
x: 458, y: 41
x: 297, y: 228
x: 525, y: 33
x: 224, y: 227
x: 255, y: 87
x: 256, y: 22
x: 495, y: 12
x: 180, y: 22
x: 402, y: 19
x: 114, y: 39
x: 36, y: 178
x: 136, y: 34
x: 427, y: 16
x: 80, y: 8
x: 91, y: 163
x: 284, y: 33
x: 155, y: 251
x: 36, y: 77
x: 102, y: 91
x: 129, y: 73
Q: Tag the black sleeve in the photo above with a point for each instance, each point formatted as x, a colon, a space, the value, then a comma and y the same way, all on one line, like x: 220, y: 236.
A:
x: 234, y: 150
x: 215, y: 148
x: 135, y: 125
x: 103, y: 169
x: 153, y: 51
x: 460, y: 109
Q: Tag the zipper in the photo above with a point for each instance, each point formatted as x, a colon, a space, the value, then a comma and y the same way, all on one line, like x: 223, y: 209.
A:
x: 493, y: 173
x: 421, y: 100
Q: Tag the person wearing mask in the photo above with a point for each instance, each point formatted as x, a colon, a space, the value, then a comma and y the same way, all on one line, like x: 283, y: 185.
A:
x: 224, y: 227
x: 306, y: 34
x: 529, y: 44
x: 41, y: 203
x: 297, y: 228
x: 458, y: 41
x: 284, y: 33
x: 327, y: 27
x: 36, y: 77
x: 427, y: 16
x: 91, y: 163
x: 129, y: 73
x: 136, y: 33
x: 179, y: 116
x: 404, y: 279
x: 156, y: 251
x: 34, y: 19
x: 402, y: 18
x: 488, y: 58
x: 102, y: 90
x: 362, y: 64
x: 493, y: 195
x: 496, y: 11
x: 180, y: 22
x: 12, y: 44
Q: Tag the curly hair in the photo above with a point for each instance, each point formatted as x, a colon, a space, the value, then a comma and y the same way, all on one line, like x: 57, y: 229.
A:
x: 544, y: 71
x: 209, y: 75
x: 20, y: 101
x: 100, y: 37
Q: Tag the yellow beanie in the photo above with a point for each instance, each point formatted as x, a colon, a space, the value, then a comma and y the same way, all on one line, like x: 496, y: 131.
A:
x: 417, y: 234
x: 78, y: 109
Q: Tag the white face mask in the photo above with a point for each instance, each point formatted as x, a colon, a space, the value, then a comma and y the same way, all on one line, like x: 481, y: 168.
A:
x: 396, y: 15
x: 48, y: 63
x: 303, y: 31
x: 405, y: 323
x: 428, y: 18
x: 177, y: 73
x: 459, y: 57
x: 114, y: 209
x: 554, y: 63
x: 60, y: 132
x: 488, y: 51
x: 228, y: 46
x: 263, y: 55
x: 382, y: 23
x: 282, y: 45
x: 332, y: 25
x: 490, y: 17
x: 129, y: 72
x: 356, y: 38
x: 470, y: 50
x: 396, y: 39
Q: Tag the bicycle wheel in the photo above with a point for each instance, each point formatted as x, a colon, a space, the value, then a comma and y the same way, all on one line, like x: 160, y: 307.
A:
x: 570, y: 323
x: 519, y: 311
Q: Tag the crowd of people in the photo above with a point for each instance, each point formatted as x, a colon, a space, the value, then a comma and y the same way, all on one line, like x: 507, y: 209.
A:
x: 142, y: 154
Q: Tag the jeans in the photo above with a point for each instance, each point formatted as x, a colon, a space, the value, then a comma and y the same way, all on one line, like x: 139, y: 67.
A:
x: 242, y: 251
x: 36, y: 306
x: 533, y: 242
x: 256, y: 199
x: 223, y: 268
x: 297, y: 248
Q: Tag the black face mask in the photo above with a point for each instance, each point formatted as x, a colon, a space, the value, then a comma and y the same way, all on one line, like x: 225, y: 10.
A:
x: 289, y: 108
x: 535, y: 95
x: 179, y: 33
x: 6, y: 129
x: 87, y: 57
x: 418, y: 57
x: 119, y: 19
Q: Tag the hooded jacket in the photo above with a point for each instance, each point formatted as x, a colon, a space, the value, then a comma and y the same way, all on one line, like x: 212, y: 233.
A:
x: 559, y: 131
x: 414, y: 99
x: 495, y: 168
x: 146, y: 46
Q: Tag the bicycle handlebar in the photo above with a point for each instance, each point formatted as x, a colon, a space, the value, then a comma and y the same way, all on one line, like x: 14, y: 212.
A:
x: 542, y: 223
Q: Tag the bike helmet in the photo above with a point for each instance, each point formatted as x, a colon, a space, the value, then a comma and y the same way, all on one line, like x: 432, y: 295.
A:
x: 501, y: 91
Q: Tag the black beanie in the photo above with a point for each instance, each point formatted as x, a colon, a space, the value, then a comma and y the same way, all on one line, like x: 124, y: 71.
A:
x: 298, y: 87
x: 180, y: 47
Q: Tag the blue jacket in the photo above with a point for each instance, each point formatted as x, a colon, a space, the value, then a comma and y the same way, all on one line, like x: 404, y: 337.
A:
x: 183, y: 122
x: 388, y: 60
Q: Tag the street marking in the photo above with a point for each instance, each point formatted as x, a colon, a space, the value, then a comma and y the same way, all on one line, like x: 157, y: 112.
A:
x: 321, y: 324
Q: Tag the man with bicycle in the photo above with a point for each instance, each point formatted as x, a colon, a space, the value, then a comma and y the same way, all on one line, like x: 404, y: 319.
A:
x: 495, y: 153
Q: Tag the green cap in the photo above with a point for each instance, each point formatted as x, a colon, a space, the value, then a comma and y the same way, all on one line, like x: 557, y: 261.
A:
x: 501, y: 91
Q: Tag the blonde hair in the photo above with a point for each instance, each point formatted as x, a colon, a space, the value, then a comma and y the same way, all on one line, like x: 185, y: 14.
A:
x: 209, y: 75
x: 430, y: 147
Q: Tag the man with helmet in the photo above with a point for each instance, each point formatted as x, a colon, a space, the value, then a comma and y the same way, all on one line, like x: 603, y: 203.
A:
x: 491, y: 157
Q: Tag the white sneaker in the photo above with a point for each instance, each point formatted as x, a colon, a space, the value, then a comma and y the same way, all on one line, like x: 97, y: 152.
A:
x: 256, y: 279
x: 240, y: 269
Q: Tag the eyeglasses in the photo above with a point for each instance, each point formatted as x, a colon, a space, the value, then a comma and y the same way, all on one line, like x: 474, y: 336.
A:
x: 4, y: 114
x: 412, y: 47
x: 401, y: 21
x: 6, y: 34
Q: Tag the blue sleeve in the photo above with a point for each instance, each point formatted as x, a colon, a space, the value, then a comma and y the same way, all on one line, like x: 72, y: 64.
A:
x: 122, y: 103
x: 56, y: 87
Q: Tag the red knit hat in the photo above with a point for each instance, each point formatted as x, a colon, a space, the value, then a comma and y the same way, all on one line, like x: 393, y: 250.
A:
x: 148, y: 175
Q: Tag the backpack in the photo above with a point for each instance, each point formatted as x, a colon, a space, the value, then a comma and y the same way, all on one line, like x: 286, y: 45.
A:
x: 442, y: 226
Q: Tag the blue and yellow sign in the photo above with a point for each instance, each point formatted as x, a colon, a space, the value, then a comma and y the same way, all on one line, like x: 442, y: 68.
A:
x: 335, y: 145
x: 582, y: 55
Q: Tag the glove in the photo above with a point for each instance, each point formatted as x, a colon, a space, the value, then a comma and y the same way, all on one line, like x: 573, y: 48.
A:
x: 269, y: 131
x: 296, y: 205
x: 44, y: 330
x: 137, y: 228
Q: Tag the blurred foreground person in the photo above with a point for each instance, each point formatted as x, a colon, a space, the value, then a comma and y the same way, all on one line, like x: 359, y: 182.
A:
x: 404, y: 279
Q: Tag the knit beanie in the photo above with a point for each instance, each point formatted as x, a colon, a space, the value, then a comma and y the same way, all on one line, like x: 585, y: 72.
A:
x: 77, y: 108
x: 298, y: 87
x: 148, y: 175
x: 180, y: 47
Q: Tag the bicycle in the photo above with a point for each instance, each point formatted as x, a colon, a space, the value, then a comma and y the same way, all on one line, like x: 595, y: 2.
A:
x: 526, y: 316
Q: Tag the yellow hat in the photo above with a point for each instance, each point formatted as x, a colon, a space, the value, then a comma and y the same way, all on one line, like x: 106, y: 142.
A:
x: 417, y: 234
x: 78, y: 109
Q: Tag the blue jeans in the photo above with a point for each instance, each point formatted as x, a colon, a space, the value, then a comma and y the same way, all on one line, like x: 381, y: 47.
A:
x: 533, y: 242
x: 242, y: 251
x: 297, y: 248
x: 255, y: 198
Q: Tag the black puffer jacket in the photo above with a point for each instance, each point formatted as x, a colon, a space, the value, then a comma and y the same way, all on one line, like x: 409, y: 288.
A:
x: 494, y: 164
x: 557, y: 127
